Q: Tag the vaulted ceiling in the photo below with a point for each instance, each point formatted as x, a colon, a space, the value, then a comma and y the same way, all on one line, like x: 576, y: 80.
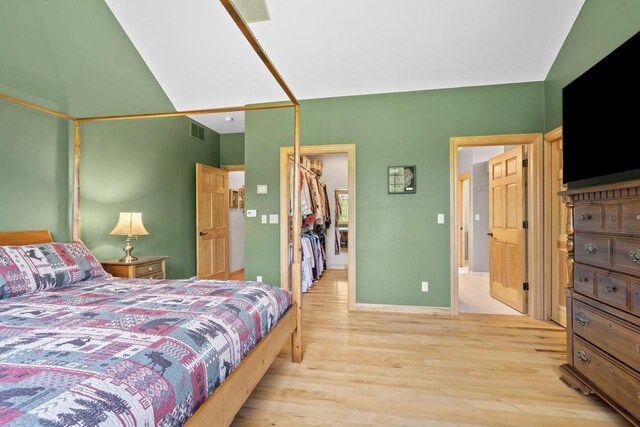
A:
x: 333, y: 48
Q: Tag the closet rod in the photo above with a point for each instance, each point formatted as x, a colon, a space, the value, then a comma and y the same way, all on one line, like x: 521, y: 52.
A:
x: 291, y: 159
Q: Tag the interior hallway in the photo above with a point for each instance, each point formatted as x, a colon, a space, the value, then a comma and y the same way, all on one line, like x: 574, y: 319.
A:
x: 379, y: 369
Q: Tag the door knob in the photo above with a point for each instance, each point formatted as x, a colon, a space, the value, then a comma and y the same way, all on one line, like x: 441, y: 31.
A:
x: 490, y: 234
x: 202, y: 233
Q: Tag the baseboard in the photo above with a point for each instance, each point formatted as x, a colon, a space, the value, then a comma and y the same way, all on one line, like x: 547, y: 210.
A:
x: 414, y: 309
x: 337, y: 266
x: 233, y: 273
x: 479, y: 273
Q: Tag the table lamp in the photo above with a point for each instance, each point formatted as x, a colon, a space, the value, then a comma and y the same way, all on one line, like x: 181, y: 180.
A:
x: 130, y: 225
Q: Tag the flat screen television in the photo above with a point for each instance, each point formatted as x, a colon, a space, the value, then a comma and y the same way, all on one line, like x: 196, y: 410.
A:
x: 601, y: 120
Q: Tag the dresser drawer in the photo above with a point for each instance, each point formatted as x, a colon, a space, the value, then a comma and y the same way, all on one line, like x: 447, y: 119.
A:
x: 635, y: 298
x: 618, y: 338
x: 631, y: 217
x: 593, y: 250
x: 157, y: 276
x: 613, y: 289
x: 588, y: 217
x: 147, y: 269
x: 618, y: 382
x: 612, y: 218
x: 626, y: 255
x: 584, y: 280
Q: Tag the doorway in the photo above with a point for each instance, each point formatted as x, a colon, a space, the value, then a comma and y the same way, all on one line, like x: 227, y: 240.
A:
x: 464, y: 206
x: 340, y: 259
x: 212, y: 222
x: 504, y: 245
x: 236, y: 221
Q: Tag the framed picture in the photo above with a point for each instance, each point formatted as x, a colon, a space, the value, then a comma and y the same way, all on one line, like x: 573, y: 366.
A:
x: 401, y: 179
x: 233, y: 199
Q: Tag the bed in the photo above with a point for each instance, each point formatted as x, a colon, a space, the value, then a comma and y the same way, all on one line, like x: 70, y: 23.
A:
x: 101, y: 350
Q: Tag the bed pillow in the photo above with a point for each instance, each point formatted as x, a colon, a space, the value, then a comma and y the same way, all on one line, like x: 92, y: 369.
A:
x: 32, y: 268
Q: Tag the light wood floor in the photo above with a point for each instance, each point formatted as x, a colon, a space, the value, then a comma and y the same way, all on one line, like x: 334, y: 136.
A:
x: 415, y: 370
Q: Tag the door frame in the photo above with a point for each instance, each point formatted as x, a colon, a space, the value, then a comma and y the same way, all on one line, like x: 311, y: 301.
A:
x: 461, y: 179
x: 551, y: 137
x: 317, y: 150
x: 535, y: 212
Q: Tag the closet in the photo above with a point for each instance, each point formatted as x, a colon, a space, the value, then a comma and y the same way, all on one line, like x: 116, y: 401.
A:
x: 316, y: 219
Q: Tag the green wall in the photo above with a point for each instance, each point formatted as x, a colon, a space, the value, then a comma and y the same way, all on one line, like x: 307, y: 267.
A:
x: 601, y: 26
x: 144, y: 166
x: 73, y: 56
x: 399, y: 242
x: 232, y: 149
x: 34, y: 174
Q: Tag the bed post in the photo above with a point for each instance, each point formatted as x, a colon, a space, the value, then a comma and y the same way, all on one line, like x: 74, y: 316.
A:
x: 296, y: 272
x: 75, y: 226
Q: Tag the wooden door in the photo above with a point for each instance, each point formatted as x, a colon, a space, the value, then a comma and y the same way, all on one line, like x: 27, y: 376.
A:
x: 212, y: 222
x: 507, y: 235
x: 558, y: 224
x: 461, y: 218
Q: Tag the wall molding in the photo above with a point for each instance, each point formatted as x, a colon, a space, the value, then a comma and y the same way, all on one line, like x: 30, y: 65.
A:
x: 409, y: 309
x: 479, y: 273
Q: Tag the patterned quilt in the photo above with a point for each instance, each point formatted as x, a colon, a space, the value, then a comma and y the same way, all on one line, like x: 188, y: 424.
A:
x: 126, y: 352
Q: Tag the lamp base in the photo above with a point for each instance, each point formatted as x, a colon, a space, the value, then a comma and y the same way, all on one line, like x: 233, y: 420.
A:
x: 128, y: 248
x: 128, y: 259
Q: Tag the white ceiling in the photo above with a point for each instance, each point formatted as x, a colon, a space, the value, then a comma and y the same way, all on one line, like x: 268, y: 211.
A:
x: 334, y: 48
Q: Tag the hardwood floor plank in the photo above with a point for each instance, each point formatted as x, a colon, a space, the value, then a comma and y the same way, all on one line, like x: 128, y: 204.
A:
x: 387, y: 369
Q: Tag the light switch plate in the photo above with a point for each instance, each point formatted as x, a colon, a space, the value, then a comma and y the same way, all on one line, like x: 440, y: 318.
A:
x: 262, y: 189
x: 264, y: 219
x: 440, y: 218
x: 477, y: 217
x: 252, y: 213
x: 273, y: 218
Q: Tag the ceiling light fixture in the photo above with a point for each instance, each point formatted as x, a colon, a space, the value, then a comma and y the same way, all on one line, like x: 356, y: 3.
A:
x: 228, y: 119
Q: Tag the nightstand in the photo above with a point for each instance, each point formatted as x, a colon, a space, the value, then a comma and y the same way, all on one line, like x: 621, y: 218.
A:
x: 146, y: 267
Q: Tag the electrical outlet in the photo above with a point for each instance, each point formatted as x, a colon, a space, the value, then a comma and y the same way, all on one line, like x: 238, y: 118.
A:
x: 273, y: 218
x: 425, y: 286
x: 264, y: 219
x: 259, y: 279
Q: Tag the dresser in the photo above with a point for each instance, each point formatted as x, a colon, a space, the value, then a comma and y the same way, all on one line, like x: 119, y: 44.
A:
x: 146, y: 267
x: 603, y: 294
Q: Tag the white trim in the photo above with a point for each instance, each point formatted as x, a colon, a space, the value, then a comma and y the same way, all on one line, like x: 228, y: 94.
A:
x: 479, y: 273
x: 414, y: 309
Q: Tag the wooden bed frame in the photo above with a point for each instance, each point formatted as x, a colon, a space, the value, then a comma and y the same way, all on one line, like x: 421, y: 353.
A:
x: 222, y: 406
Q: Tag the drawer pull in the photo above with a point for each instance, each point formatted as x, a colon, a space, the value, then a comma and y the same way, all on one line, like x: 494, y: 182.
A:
x: 590, y: 248
x: 582, y: 356
x: 611, y: 289
x: 583, y: 279
x: 635, y: 256
x: 585, y: 217
x: 582, y: 319
x: 150, y: 268
x: 638, y: 217
x: 611, y: 369
x: 612, y: 218
x: 638, y: 349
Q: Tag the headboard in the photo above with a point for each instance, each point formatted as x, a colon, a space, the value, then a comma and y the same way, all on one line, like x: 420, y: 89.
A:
x: 30, y: 237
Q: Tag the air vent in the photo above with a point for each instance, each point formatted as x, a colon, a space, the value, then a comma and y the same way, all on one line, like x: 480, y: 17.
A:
x: 197, y: 131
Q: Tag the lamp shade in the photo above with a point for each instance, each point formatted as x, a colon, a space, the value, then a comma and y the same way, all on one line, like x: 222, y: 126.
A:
x: 130, y: 224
